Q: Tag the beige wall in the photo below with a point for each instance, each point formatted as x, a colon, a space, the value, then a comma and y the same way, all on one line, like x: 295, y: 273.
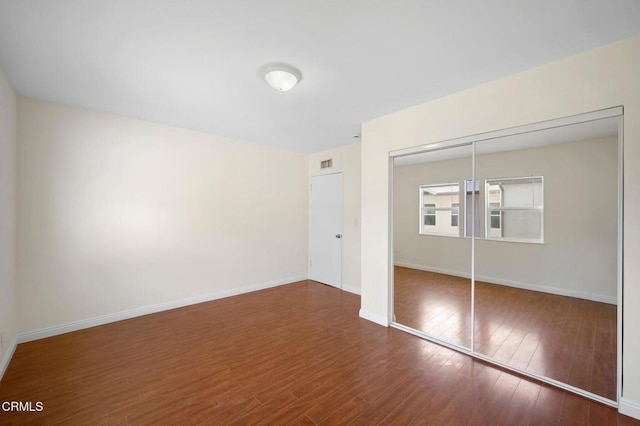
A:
x: 346, y: 159
x: 117, y: 213
x: 578, y: 257
x: 8, y: 141
x: 597, y: 79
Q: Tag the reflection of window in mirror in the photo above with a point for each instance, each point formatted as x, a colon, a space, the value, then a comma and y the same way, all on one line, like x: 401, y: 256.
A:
x: 430, y: 214
x: 495, y: 224
x: 494, y: 197
x: 472, y: 198
x: 439, y: 204
x: 455, y: 208
x: 514, y: 209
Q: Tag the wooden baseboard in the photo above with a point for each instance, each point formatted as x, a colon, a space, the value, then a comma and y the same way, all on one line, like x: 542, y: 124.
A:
x: 373, y: 317
x: 6, y: 359
x: 351, y: 289
x: 145, y: 310
x: 629, y: 408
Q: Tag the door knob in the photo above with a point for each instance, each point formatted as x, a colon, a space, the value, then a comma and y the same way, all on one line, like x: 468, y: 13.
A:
x: 338, y: 235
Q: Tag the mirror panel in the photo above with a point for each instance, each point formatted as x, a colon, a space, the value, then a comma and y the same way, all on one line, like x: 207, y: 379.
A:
x: 546, y: 259
x: 432, y: 285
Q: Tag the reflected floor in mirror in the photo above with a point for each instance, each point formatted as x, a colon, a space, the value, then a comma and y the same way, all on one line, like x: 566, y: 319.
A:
x: 437, y: 304
x: 564, y: 338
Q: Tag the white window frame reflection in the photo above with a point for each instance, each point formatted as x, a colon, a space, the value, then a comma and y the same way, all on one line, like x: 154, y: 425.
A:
x: 491, y: 209
x: 433, y: 211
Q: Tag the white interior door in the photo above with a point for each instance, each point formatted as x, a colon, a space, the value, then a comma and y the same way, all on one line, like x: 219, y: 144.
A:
x: 325, y: 236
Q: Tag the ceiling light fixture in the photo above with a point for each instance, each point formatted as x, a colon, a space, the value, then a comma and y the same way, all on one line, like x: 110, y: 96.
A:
x: 282, y: 77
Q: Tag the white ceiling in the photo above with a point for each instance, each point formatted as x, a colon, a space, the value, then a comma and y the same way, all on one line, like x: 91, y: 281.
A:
x: 196, y: 63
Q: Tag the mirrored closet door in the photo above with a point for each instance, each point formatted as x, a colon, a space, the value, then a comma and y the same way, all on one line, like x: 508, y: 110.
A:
x: 432, y: 272
x: 546, y: 259
x: 516, y: 238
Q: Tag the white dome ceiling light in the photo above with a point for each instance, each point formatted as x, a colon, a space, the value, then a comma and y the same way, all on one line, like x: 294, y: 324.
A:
x: 282, y: 77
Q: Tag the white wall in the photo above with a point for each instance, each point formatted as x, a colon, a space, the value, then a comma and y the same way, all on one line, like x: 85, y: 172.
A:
x: 8, y: 141
x: 597, y: 79
x: 346, y: 159
x: 117, y: 213
x: 578, y: 256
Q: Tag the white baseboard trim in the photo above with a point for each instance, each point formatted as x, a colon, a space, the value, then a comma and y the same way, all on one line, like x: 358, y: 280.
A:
x: 629, y: 408
x: 350, y: 289
x: 525, y: 286
x: 373, y: 317
x: 6, y: 359
x: 432, y: 269
x: 145, y: 310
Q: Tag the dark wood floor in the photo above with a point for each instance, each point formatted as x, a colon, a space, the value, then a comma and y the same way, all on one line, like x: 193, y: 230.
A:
x: 295, y: 354
x: 434, y: 303
x: 567, y: 339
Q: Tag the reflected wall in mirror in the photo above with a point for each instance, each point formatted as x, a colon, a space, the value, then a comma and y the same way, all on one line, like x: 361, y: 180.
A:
x: 429, y: 243
x: 546, y: 260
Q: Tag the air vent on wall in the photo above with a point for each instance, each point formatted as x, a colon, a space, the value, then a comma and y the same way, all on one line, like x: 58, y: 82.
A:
x: 326, y: 164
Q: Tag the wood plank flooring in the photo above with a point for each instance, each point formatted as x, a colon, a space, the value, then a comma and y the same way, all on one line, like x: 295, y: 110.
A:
x: 438, y: 304
x: 567, y: 339
x: 294, y: 354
